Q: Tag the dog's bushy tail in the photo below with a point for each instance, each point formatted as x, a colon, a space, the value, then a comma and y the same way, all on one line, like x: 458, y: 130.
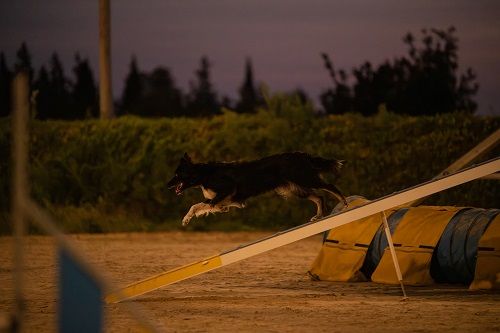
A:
x: 326, y: 165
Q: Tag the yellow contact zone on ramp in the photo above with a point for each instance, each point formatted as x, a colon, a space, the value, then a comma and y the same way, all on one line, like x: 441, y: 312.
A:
x: 163, y: 279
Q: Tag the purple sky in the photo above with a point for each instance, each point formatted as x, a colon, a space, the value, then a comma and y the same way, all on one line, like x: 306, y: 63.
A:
x: 283, y: 37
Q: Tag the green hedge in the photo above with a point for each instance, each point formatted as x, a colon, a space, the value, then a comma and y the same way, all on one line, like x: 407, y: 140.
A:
x: 102, y: 176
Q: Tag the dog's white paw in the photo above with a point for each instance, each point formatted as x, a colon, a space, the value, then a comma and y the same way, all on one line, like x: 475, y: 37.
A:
x: 315, y: 218
x: 186, y: 219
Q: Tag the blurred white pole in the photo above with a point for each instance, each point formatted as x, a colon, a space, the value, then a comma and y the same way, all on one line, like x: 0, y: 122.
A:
x: 19, y: 185
x: 23, y: 208
x: 105, y: 94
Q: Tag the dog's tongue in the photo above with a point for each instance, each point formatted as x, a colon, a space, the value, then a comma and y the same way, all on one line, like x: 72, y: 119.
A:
x: 178, y: 189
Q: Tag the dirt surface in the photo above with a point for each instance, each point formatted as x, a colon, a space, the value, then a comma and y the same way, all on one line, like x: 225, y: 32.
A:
x: 267, y: 293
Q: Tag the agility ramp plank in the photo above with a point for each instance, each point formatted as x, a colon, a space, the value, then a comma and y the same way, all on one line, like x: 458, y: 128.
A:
x: 303, y: 231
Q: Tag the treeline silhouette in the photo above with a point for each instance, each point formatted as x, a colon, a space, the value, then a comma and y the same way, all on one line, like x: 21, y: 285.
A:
x: 423, y: 82
x: 154, y: 94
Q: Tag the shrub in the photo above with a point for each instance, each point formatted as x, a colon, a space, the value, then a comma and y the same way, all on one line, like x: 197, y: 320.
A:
x: 93, y: 174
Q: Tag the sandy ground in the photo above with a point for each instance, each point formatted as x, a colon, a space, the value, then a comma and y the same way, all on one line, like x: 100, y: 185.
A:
x: 267, y: 293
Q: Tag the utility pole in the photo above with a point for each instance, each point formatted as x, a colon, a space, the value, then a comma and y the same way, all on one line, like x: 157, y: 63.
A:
x: 20, y: 102
x: 105, y: 95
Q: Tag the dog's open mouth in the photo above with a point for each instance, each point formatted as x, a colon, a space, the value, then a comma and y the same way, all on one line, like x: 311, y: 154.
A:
x: 178, y: 188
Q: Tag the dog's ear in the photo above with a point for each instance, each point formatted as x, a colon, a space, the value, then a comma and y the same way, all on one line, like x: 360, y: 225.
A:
x: 186, y: 158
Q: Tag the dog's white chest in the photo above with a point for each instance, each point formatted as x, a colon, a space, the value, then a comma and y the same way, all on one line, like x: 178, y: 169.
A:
x: 208, y: 193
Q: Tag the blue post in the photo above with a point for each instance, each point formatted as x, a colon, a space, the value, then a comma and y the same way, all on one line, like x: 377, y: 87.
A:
x: 80, y: 297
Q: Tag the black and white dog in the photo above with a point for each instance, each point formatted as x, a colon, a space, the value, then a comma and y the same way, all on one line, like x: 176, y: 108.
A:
x: 226, y: 185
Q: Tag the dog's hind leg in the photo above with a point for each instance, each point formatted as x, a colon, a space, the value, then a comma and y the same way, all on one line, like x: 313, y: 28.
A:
x: 304, y: 193
x: 332, y: 189
x: 319, y: 206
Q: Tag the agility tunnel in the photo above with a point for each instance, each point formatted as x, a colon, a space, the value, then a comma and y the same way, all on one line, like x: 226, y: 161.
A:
x: 433, y: 245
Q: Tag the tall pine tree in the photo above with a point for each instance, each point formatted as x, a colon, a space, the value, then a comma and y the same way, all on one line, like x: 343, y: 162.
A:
x: 163, y: 98
x: 202, y: 100
x: 84, y: 93
x: 5, y: 83
x: 23, y: 61
x: 133, y: 91
x: 249, y: 98
x: 53, y: 97
x: 44, y: 97
x: 59, y: 86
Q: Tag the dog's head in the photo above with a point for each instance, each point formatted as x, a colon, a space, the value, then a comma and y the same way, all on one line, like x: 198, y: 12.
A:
x: 185, y: 175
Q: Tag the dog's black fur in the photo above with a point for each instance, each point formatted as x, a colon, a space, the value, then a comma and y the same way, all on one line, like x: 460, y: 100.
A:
x: 226, y: 185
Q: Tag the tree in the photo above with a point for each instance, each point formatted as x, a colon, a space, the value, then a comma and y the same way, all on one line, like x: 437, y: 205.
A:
x: 249, y: 98
x: 84, y: 92
x: 433, y: 84
x: 202, y: 100
x: 424, y: 82
x: 365, y: 100
x: 162, y: 98
x: 59, y: 87
x: 23, y: 61
x: 53, y: 98
x: 337, y: 100
x: 151, y: 95
x: 133, y: 91
x: 5, y: 90
x: 44, y: 97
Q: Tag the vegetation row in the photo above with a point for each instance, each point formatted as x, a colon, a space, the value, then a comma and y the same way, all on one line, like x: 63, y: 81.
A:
x: 101, y: 176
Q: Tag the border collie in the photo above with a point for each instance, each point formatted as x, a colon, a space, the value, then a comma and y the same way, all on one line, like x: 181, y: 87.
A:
x: 226, y: 185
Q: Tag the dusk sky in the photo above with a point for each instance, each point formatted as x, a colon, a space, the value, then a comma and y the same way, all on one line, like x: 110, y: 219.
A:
x: 284, y: 38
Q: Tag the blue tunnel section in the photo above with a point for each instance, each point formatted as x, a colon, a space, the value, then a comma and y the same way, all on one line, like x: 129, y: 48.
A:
x: 454, y: 258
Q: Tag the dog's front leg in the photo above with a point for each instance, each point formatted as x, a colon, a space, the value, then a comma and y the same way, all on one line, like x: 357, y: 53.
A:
x: 201, y: 209
x: 192, y: 212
